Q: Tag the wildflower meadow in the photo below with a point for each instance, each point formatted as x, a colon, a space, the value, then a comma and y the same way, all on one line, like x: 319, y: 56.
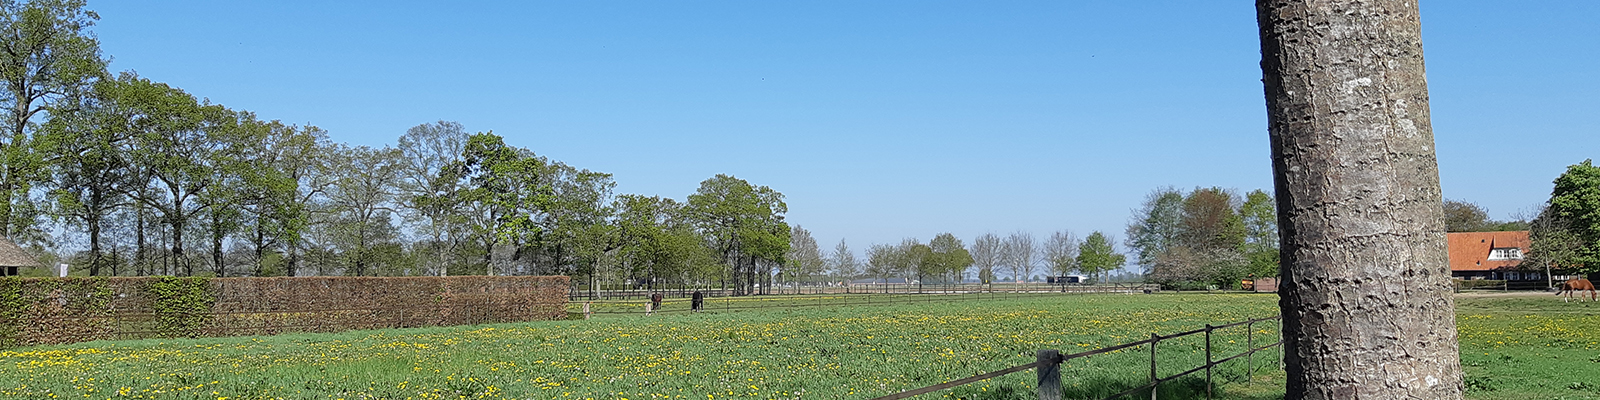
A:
x: 1548, y: 350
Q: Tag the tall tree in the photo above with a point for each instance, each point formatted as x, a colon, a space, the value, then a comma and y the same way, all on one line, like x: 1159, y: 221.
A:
x: 1261, y: 233
x: 426, y: 150
x: 1097, y: 255
x: 1366, y: 291
x: 1462, y: 216
x: 744, y: 224
x: 361, y: 203
x: 1061, y: 252
x: 47, y: 57
x: 88, y: 166
x: 948, y: 257
x: 1210, y: 222
x: 1156, y: 225
x: 881, y: 260
x: 987, y: 253
x: 843, y: 262
x: 1575, y: 207
x: 1021, y: 255
x: 175, y: 141
x: 804, y: 259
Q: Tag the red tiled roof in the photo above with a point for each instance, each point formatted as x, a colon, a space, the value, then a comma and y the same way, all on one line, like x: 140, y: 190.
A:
x: 1469, y: 251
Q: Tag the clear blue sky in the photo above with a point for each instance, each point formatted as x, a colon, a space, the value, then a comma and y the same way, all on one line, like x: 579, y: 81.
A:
x: 878, y: 120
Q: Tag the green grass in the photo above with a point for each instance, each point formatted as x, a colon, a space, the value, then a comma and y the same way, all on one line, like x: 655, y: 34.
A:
x: 833, y: 351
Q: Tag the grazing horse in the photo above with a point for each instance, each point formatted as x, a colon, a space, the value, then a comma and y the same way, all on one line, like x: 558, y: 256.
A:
x: 1579, y: 285
x: 655, y: 301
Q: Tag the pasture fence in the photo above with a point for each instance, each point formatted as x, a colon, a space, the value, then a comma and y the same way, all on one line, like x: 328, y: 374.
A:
x: 1047, y: 365
x: 725, y: 302
x: 584, y: 292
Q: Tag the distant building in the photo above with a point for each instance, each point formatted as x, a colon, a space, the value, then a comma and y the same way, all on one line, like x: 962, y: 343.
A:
x: 1490, y: 255
x: 12, y: 257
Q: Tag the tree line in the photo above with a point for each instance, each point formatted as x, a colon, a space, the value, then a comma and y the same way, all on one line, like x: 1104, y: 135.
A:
x: 1204, y: 237
x: 990, y: 258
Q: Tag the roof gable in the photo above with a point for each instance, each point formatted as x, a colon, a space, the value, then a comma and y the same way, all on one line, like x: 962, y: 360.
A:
x: 1469, y: 251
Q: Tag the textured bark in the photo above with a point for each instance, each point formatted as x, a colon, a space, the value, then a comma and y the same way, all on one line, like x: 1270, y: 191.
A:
x: 1366, y: 293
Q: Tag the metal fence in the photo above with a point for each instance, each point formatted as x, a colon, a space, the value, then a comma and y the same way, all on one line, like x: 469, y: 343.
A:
x: 1047, y: 365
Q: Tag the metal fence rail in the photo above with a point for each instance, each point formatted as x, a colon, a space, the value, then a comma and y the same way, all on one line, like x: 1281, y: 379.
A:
x: 1047, y: 364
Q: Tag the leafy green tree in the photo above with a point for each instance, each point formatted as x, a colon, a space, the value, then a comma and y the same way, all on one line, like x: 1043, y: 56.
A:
x: 1210, y: 222
x: 291, y: 169
x: 1575, y: 203
x: 498, y: 187
x: 948, y: 257
x: 744, y: 223
x: 174, y: 141
x: 88, y: 167
x: 47, y: 58
x: 881, y: 261
x: 1461, y: 216
x: 1157, y: 225
x: 1260, y: 217
x: 1097, y: 256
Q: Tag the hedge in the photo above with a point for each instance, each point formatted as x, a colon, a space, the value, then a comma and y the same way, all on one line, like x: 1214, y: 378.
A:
x: 36, y: 311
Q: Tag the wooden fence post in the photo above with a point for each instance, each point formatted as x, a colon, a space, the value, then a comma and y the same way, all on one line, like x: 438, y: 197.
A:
x: 1048, y: 368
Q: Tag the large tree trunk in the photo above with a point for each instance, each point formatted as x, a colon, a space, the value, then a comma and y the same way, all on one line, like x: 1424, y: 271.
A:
x: 1366, y: 294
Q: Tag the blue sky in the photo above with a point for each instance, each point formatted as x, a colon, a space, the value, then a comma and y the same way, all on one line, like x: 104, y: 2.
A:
x: 878, y: 120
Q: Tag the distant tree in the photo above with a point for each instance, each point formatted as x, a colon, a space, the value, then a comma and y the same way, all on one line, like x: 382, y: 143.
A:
x: 843, y: 262
x: 1021, y: 254
x: 48, y: 60
x: 1260, y: 217
x: 89, y: 166
x: 1461, y: 216
x: 804, y: 260
x: 987, y: 253
x: 1097, y: 256
x: 882, y: 261
x: 948, y: 257
x: 1156, y: 225
x: 1210, y: 222
x: 1061, y: 253
x: 916, y: 259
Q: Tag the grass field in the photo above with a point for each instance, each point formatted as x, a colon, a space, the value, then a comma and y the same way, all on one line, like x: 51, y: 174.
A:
x: 1513, y: 347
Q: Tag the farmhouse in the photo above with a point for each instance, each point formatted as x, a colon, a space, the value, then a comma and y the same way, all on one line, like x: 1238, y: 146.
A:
x: 1490, y: 255
x: 13, y: 257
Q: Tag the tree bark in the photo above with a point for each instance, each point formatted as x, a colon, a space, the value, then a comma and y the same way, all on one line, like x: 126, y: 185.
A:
x: 1366, y: 296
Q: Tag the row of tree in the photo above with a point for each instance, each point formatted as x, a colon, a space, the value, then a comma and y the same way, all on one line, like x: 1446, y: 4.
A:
x: 122, y: 175
x: 1206, y: 236
x: 947, y: 259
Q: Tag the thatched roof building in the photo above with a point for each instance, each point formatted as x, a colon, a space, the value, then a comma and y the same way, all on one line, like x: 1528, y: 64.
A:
x: 13, y: 257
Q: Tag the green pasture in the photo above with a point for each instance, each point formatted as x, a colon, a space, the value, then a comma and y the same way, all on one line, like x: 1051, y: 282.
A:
x: 1513, y: 347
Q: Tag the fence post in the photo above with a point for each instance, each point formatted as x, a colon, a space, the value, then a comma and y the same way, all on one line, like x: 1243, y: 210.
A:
x: 1154, y: 382
x: 1048, y: 368
x: 1250, y: 345
x: 1209, y: 363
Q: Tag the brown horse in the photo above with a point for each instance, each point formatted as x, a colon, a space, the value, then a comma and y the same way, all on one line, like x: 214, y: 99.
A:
x: 1579, y: 285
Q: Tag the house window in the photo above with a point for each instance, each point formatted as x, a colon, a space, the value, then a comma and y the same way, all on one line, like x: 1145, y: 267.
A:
x: 1512, y: 276
x: 1505, y: 253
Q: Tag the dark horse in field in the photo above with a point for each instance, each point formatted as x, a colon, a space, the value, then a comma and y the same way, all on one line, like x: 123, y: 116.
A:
x: 1577, y: 285
x: 655, y: 301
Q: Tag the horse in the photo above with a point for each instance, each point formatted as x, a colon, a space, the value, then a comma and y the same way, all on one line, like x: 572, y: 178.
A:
x: 1577, y: 284
x: 655, y: 301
